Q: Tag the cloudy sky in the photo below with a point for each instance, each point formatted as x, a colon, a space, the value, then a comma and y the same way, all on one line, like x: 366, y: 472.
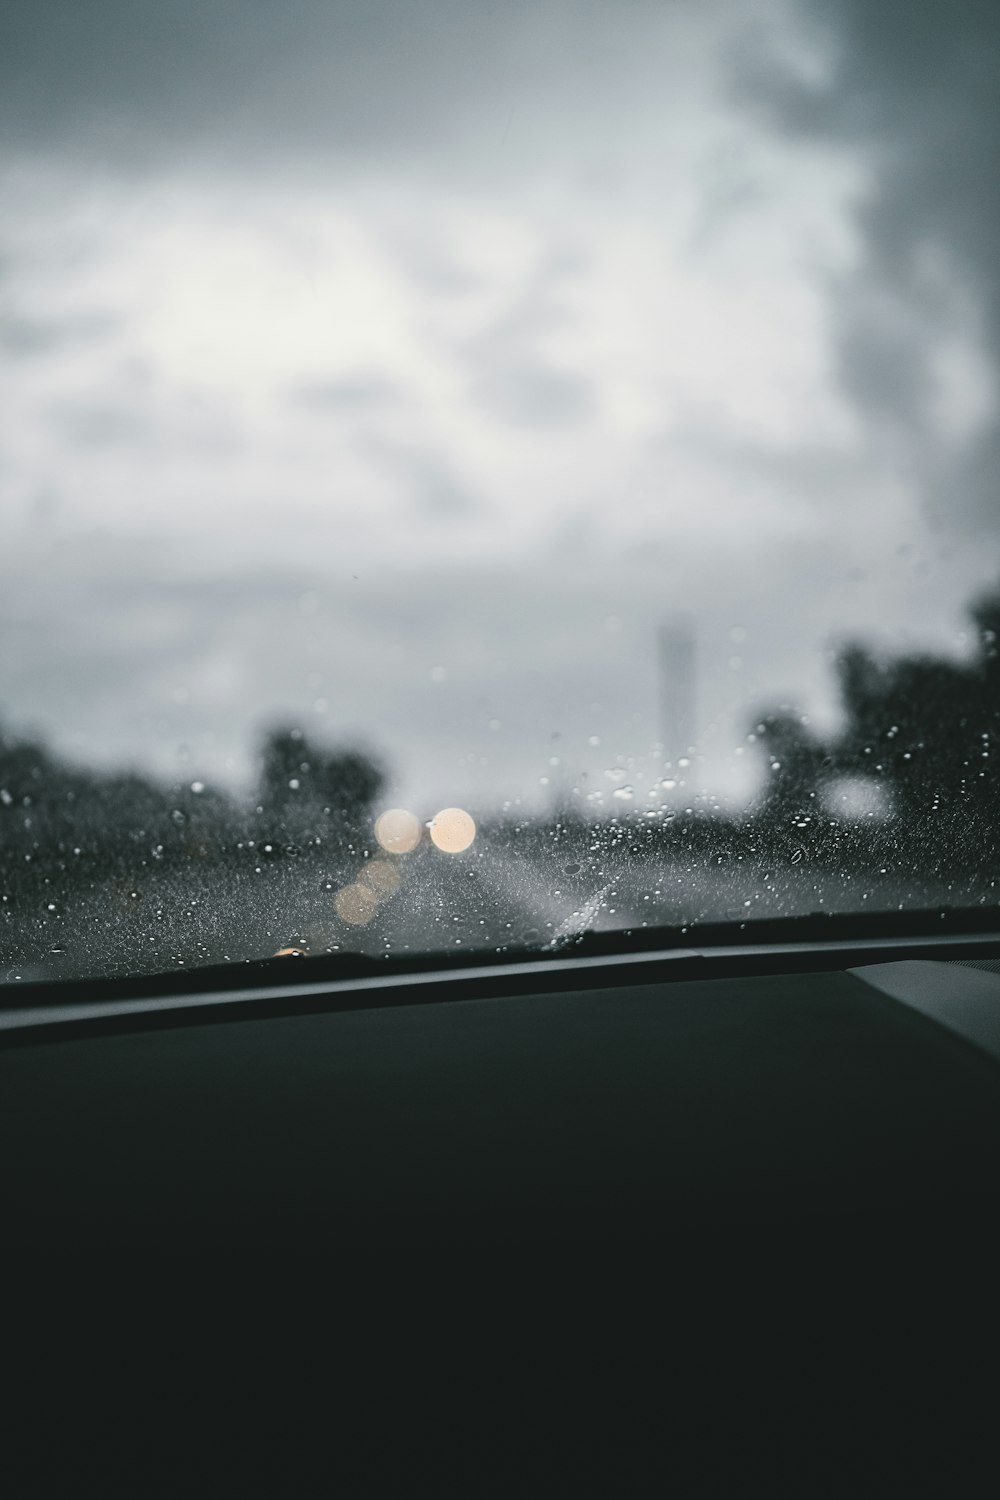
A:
x: 398, y: 368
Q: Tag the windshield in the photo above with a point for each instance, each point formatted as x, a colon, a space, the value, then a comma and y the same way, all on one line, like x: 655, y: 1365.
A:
x: 477, y: 474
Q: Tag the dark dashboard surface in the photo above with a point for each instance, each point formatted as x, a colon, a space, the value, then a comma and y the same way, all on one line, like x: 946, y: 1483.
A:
x: 621, y: 1110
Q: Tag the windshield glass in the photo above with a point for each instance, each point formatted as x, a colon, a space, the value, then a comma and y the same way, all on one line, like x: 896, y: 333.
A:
x: 472, y: 474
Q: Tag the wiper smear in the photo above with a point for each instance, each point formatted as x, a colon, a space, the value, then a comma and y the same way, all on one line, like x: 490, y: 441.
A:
x: 579, y: 922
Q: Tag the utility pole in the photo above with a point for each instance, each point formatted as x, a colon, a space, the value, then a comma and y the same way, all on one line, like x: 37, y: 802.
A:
x: 677, y: 687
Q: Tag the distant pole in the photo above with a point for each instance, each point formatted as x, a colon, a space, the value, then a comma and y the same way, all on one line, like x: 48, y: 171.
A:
x: 677, y: 687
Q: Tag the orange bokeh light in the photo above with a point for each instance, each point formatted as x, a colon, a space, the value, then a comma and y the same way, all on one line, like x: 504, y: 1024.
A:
x: 355, y: 904
x: 397, y: 830
x: 452, y: 830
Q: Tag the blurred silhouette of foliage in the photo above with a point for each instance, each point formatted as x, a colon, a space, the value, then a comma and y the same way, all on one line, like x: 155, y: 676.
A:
x: 56, y: 818
x: 923, y: 729
x: 297, y: 774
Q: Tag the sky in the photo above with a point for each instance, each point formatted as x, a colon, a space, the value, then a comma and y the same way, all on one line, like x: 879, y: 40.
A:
x: 397, y: 370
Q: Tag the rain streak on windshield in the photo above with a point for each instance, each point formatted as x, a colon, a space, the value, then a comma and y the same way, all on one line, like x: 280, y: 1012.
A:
x: 474, y: 476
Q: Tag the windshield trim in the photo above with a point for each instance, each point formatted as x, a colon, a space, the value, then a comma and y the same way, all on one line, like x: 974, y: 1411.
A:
x: 39, y: 1012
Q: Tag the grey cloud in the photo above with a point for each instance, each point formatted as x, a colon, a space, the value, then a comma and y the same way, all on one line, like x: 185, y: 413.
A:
x: 353, y: 394
x: 531, y: 395
x: 132, y: 414
x: 253, y: 82
x: 509, y: 374
x: 882, y: 353
x: 915, y: 90
x: 816, y: 473
x: 25, y: 337
x: 425, y: 478
x: 730, y: 188
x: 429, y: 267
x: 100, y: 424
x: 131, y: 77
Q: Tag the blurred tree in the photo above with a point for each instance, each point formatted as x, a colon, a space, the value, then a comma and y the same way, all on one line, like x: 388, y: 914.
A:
x: 286, y: 768
x: 930, y: 728
x: 925, y: 728
x: 798, y: 765
x: 298, y: 777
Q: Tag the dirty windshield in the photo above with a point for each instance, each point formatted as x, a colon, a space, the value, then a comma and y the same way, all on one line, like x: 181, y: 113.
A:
x: 475, y: 475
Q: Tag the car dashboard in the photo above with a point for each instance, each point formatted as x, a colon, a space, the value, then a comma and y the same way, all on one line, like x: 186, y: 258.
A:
x: 604, y: 1099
